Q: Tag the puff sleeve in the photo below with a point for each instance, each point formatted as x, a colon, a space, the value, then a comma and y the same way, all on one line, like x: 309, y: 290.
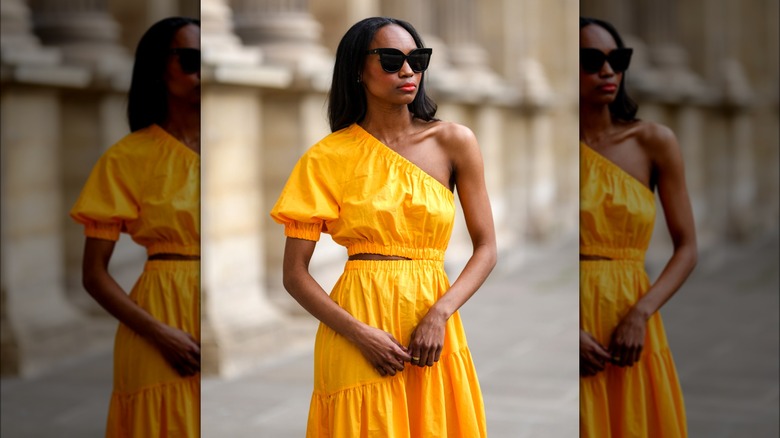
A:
x: 310, y: 198
x: 109, y: 198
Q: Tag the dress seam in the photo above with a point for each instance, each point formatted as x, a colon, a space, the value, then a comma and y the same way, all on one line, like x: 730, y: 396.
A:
x: 189, y: 379
x: 385, y: 381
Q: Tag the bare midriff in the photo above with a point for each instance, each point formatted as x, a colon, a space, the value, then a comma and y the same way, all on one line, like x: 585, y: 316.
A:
x: 168, y: 256
x: 593, y: 257
x: 376, y: 257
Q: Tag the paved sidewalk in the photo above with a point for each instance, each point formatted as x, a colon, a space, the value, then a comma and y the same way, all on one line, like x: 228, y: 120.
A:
x: 723, y: 327
x: 724, y: 331
x: 520, y: 328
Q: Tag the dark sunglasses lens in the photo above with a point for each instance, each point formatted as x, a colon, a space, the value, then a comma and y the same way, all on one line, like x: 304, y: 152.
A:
x: 189, y: 60
x: 419, y: 61
x: 619, y: 59
x: 391, y: 61
x: 591, y: 60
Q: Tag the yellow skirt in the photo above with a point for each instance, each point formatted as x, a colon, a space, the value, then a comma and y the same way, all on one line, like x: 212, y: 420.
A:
x: 150, y: 399
x: 643, y: 400
x: 351, y: 399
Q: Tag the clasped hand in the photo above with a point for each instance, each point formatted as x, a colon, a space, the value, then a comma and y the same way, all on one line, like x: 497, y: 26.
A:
x: 388, y: 356
x: 624, y: 350
x: 179, y: 348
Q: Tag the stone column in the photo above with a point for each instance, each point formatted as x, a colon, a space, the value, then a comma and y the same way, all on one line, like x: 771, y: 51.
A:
x: 293, y: 122
x: 337, y: 16
x: 617, y: 12
x: 87, y: 35
x: 240, y: 327
x: 470, y: 77
x: 288, y: 35
x: 421, y: 15
x: 40, y: 325
x: 19, y: 45
x: 92, y: 120
x: 219, y: 44
x: 737, y: 97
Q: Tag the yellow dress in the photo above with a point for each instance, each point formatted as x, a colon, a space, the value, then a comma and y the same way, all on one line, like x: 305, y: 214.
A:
x: 617, y: 213
x: 372, y: 200
x: 148, y: 185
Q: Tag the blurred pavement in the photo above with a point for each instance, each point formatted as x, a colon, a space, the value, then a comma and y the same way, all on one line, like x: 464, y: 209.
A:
x: 723, y: 327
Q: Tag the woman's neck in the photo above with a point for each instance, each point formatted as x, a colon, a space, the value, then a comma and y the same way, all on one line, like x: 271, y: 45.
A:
x: 595, y: 123
x: 184, y: 125
x: 388, y: 123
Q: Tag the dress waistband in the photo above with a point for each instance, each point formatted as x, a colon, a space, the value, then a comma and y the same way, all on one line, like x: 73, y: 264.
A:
x: 173, y: 248
x: 173, y: 257
x: 610, y: 253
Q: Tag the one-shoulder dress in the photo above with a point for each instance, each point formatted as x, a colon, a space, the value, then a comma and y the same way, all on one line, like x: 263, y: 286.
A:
x: 148, y: 185
x: 370, y: 199
x: 617, y: 213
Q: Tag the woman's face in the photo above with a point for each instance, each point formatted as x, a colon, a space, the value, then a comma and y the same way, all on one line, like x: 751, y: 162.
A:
x: 399, y: 88
x: 602, y: 86
x: 182, y: 83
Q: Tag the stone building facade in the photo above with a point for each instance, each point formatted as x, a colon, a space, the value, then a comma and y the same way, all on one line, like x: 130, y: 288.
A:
x: 709, y: 70
x: 505, y: 68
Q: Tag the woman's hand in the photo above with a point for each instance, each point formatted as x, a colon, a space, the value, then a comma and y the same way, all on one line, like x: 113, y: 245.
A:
x: 593, y: 356
x: 628, y: 339
x: 382, y: 350
x: 179, y: 348
x: 427, y: 340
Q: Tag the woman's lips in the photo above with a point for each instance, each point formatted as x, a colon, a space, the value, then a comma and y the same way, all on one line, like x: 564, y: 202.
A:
x: 408, y: 87
x: 608, y: 88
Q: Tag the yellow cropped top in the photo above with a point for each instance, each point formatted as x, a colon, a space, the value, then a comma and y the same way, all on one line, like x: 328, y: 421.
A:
x: 147, y: 185
x: 369, y: 198
x: 617, y: 211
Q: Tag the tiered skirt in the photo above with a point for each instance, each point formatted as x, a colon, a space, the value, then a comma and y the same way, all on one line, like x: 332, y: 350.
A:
x: 643, y: 400
x: 150, y: 399
x: 351, y: 399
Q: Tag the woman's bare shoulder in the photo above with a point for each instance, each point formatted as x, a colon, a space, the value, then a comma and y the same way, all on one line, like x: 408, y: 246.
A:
x: 453, y: 137
x: 657, y: 140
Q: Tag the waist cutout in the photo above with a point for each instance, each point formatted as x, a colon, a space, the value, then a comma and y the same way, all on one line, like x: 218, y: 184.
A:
x: 395, y: 251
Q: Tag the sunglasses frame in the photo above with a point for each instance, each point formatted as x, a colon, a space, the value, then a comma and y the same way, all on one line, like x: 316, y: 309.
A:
x: 611, y: 58
x: 404, y: 57
x: 184, y: 64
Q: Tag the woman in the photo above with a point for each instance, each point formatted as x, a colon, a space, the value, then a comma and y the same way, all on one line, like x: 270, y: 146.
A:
x: 382, y: 185
x: 148, y: 185
x: 628, y: 384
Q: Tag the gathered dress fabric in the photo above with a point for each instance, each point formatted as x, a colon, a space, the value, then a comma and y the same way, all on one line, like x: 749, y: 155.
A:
x: 148, y: 185
x: 617, y: 213
x: 370, y: 199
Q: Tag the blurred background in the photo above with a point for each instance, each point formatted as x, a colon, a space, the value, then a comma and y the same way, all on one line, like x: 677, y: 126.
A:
x: 504, y: 68
x: 709, y: 70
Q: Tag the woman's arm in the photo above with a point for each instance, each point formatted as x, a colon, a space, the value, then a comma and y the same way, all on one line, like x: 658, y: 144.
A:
x: 179, y: 348
x: 628, y: 339
x: 380, y: 348
x: 428, y: 338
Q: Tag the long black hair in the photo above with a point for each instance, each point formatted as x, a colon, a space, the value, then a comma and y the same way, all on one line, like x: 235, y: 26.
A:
x: 147, y: 99
x: 347, y: 98
x: 623, y: 107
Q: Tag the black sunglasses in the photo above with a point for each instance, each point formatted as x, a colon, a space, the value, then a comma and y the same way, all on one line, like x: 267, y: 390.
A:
x: 592, y: 60
x: 393, y: 59
x: 189, y: 59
